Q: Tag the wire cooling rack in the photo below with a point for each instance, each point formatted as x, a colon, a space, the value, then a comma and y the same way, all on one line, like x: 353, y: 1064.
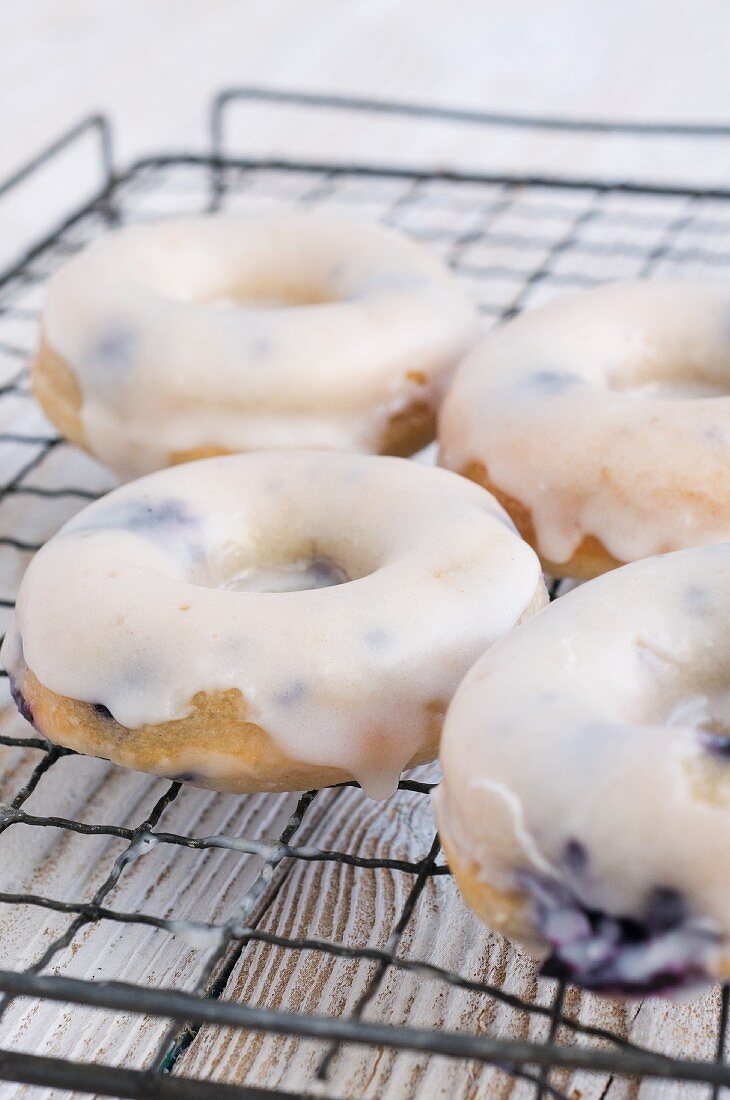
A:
x: 313, y: 942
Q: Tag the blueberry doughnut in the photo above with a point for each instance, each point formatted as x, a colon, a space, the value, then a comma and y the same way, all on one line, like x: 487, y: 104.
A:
x: 188, y: 338
x: 585, y: 801
x: 269, y: 621
x: 602, y: 423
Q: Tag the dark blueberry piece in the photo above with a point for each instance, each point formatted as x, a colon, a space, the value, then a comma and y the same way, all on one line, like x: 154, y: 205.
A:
x: 21, y: 702
x: 696, y: 599
x: 260, y: 348
x: 170, y: 514
x: 665, y: 909
x: 575, y: 856
x: 661, y: 950
x: 114, y: 351
x: 715, y: 738
x: 326, y: 573
x: 102, y: 711
x: 550, y: 381
x: 293, y: 693
x: 185, y: 777
x: 716, y: 744
x: 151, y: 516
x: 167, y: 520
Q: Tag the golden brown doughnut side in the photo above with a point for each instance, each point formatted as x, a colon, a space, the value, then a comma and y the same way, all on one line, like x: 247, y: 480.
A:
x: 503, y: 911
x: 249, y: 757
x: 177, y: 458
x: 217, y: 727
x: 58, y: 392
x: 409, y: 430
x: 589, y: 560
x: 539, y: 600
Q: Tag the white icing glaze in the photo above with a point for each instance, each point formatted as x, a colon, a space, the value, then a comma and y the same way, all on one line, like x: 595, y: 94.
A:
x: 593, y: 723
x: 294, y: 329
x: 600, y: 413
x: 129, y: 605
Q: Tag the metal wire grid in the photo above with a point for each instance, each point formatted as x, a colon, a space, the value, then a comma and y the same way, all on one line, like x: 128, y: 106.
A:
x: 515, y: 243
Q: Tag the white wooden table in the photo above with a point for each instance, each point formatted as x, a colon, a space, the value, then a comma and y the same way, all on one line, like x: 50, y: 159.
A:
x: 153, y: 67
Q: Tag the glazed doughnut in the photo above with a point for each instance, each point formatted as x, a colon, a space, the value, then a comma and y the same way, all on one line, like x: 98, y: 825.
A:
x: 187, y: 338
x: 155, y: 628
x: 585, y: 801
x: 602, y: 422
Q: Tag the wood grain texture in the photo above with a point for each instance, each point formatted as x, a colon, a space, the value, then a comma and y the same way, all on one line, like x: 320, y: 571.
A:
x: 346, y: 905
x: 165, y: 881
x: 360, y: 908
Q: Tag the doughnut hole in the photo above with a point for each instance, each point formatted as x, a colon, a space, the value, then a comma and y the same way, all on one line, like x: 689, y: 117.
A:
x: 684, y: 375
x: 296, y: 553
x: 676, y: 388
x: 276, y: 272
x: 295, y: 576
x: 265, y: 292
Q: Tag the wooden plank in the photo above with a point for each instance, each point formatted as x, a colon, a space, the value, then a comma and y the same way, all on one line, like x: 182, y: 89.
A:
x: 166, y: 881
x: 359, y: 908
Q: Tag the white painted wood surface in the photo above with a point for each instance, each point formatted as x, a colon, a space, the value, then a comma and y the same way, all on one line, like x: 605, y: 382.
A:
x: 153, y: 67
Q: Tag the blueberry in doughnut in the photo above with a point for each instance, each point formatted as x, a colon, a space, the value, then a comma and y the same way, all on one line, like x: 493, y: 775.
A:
x: 601, y: 422
x: 178, y: 340
x: 269, y: 621
x: 585, y: 801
